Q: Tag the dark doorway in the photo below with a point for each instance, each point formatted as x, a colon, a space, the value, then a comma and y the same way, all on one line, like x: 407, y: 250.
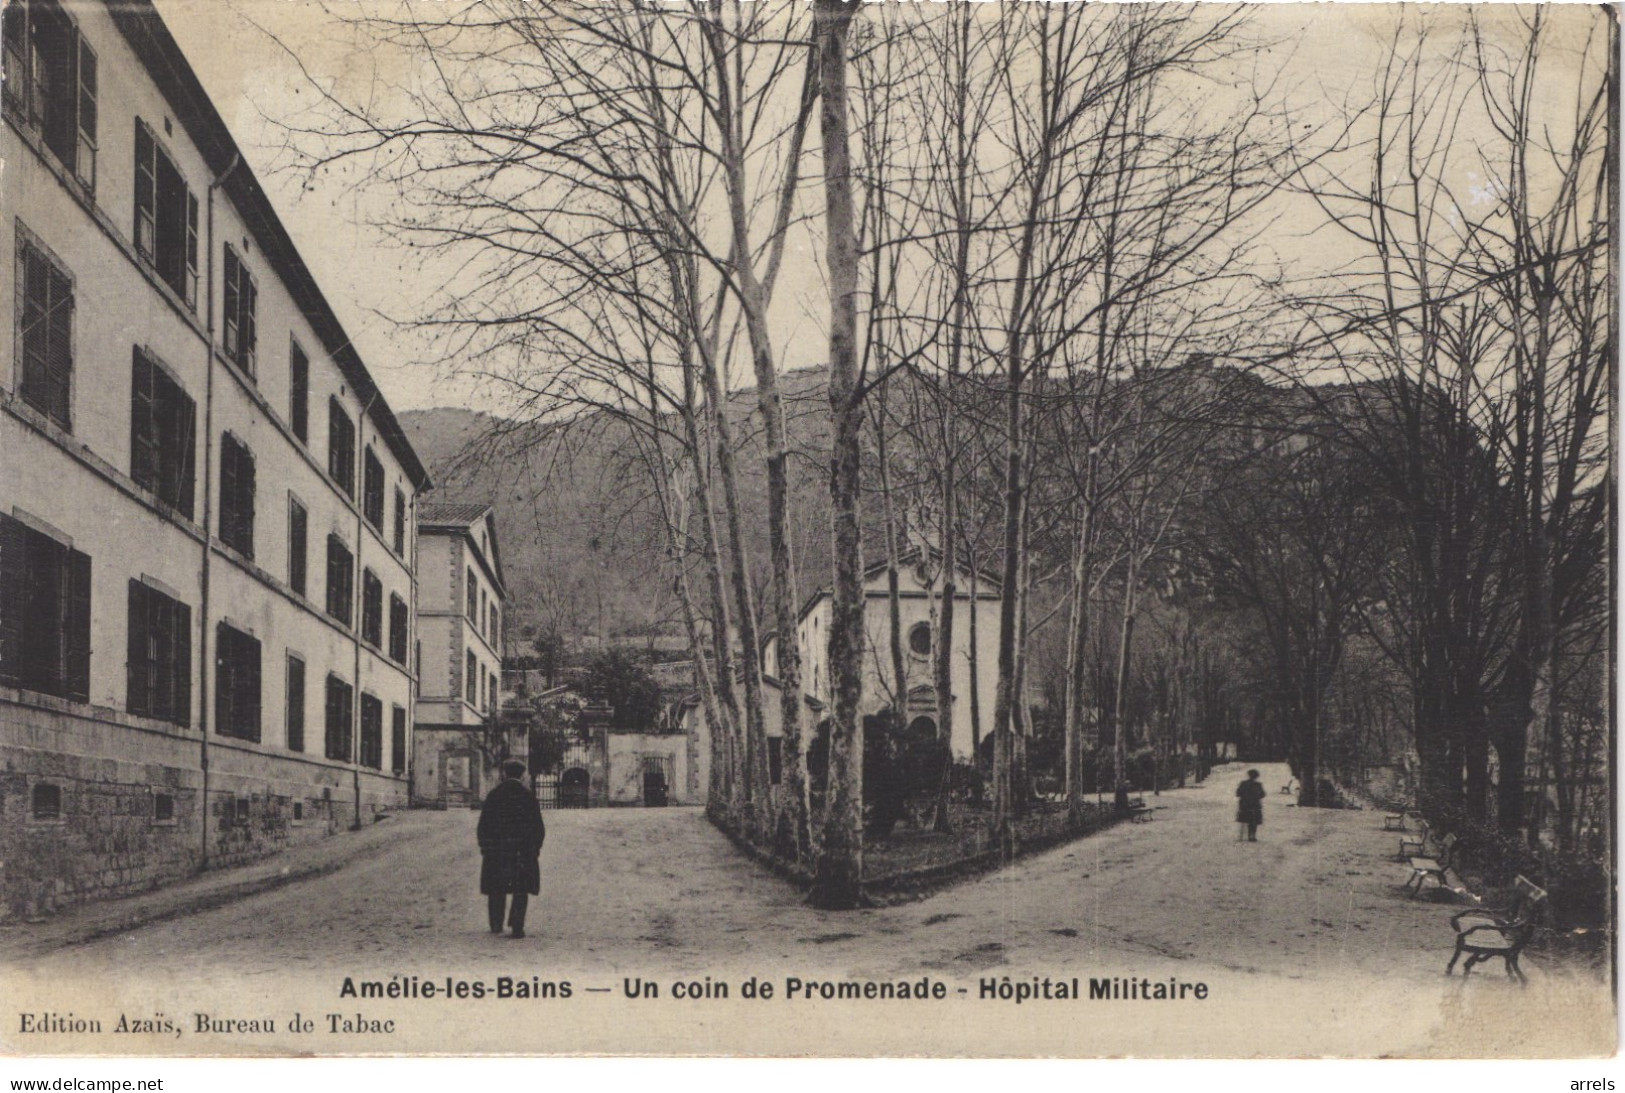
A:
x: 574, y: 788
x: 654, y: 789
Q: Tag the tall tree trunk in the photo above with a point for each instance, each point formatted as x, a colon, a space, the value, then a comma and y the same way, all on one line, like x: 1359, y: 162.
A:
x: 746, y: 785
x: 1077, y: 640
x: 1125, y: 645
x: 838, y: 871
x: 753, y: 295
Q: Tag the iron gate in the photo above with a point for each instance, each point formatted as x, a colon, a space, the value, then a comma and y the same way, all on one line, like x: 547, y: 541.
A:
x: 565, y: 778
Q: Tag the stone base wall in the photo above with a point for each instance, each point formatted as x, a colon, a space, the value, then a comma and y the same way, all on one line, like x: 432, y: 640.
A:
x: 130, y: 808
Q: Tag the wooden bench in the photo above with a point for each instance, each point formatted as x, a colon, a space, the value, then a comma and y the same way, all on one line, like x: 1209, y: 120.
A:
x: 1138, y: 811
x: 1482, y: 933
x: 1414, y: 848
x: 1393, y: 821
x: 1423, y: 868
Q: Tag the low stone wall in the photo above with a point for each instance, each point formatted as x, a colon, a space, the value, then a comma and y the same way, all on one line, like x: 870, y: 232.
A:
x: 96, y: 804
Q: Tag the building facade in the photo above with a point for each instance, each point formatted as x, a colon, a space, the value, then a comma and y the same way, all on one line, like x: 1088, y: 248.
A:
x: 973, y: 666
x: 207, y: 510
x: 462, y: 601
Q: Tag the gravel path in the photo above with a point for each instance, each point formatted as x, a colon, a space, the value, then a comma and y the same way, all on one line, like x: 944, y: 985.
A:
x: 1304, y: 941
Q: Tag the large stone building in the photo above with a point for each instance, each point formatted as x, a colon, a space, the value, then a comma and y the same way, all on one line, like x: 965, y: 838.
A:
x: 462, y: 600
x: 206, y: 506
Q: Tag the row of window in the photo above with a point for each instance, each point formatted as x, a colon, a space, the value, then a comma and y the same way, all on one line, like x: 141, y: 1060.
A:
x: 51, y: 89
x: 45, y: 647
x: 162, y: 460
x: 482, y: 610
x: 163, y: 417
x: 480, y: 688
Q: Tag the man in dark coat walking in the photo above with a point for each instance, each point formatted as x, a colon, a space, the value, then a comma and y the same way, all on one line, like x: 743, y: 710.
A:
x: 510, y: 834
x: 1250, y: 810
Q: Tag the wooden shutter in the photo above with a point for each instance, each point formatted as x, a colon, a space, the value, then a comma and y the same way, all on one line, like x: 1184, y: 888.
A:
x: 248, y: 688
x: 182, y: 712
x: 294, y: 704
x: 146, y: 191
x: 330, y: 720
x: 77, y: 623
x: 13, y: 598
x: 185, y: 442
x: 228, y: 310
x: 59, y: 356
x: 85, y: 165
x: 190, y: 291
x: 296, y: 546
x: 14, y: 39
x: 247, y: 333
x: 35, y: 337
x: 224, y: 678
x: 161, y: 655
x: 144, y: 458
x: 245, y: 486
x: 47, y: 336
x: 299, y: 392
x: 137, y: 672
x: 397, y: 740
x: 228, y: 489
x: 56, y: 59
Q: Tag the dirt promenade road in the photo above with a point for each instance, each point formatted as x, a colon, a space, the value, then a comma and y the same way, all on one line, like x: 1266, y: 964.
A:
x: 1304, y: 940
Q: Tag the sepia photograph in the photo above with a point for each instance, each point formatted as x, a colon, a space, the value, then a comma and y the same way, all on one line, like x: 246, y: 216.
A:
x: 806, y: 528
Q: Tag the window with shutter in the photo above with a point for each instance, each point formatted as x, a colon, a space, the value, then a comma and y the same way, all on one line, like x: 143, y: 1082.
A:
x: 340, y: 580
x: 400, y: 524
x: 340, y: 447
x: 44, y: 613
x: 339, y: 711
x: 50, y: 83
x: 162, y: 446
x: 236, y: 495
x: 398, y: 625
x: 297, y: 521
x: 76, y: 641
x: 239, y: 304
x: 294, y: 704
x: 160, y: 655
x: 166, y: 218
x: 299, y: 392
x: 14, y: 599
x: 237, y: 684
x: 372, y: 732
x: 372, y: 490
x: 397, y: 740
x: 85, y: 162
x: 45, y: 332
x: 471, y: 681
x: 372, y: 608
x: 14, y: 41
x: 228, y: 308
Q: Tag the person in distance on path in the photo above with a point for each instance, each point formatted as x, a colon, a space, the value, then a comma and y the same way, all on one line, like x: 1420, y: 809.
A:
x: 1250, y: 810
x: 510, y: 834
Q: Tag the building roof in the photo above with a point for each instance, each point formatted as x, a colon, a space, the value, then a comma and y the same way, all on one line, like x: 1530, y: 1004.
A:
x: 909, y: 558
x: 159, y: 53
x: 450, y: 514
x: 461, y: 518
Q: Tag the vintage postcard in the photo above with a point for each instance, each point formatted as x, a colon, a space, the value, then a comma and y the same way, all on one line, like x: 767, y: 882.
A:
x: 807, y: 529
